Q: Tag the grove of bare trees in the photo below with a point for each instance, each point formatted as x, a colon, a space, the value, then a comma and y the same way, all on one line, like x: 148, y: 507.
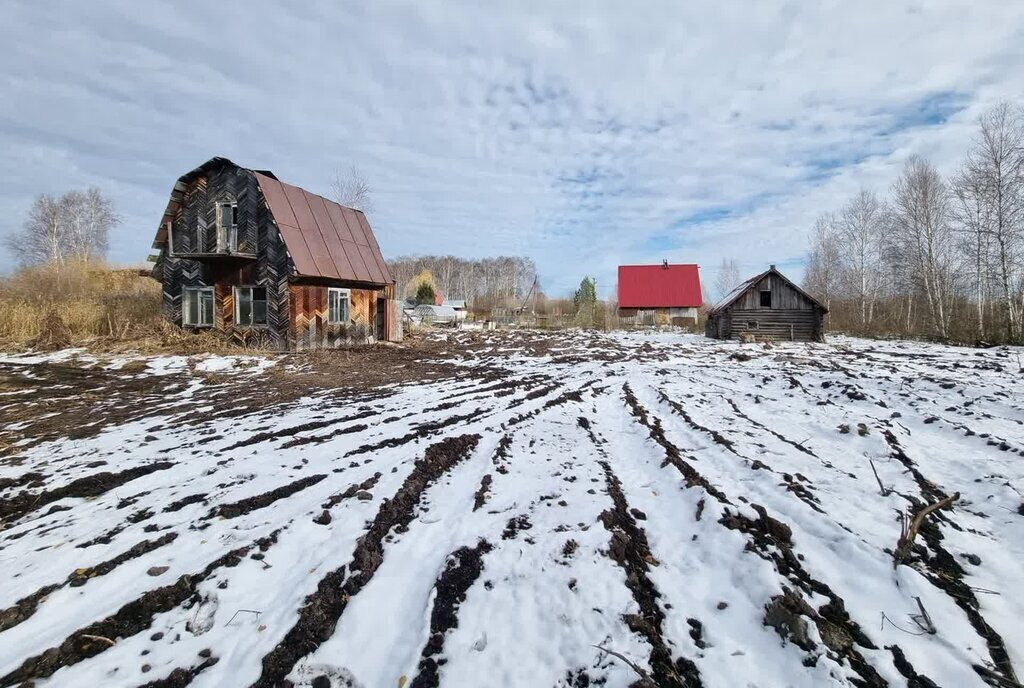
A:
x: 490, y: 280
x: 72, y: 227
x: 938, y: 257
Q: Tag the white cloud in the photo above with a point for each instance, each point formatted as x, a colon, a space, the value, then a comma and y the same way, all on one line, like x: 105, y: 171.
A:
x: 584, y: 135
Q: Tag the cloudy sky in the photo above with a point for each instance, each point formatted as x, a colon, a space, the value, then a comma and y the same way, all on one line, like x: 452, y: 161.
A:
x: 582, y: 134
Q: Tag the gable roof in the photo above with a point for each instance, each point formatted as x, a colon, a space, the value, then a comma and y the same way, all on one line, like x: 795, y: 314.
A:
x: 323, y: 238
x: 741, y: 289
x: 659, y: 286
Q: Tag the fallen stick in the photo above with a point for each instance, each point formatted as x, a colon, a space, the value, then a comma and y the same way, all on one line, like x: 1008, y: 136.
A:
x: 885, y: 490
x: 98, y: 637
x: 906, y: 541
x: 644, y: 676
x: 924, y: 621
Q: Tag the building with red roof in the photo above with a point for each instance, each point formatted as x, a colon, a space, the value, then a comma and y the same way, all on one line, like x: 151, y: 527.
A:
x: 660, y: 294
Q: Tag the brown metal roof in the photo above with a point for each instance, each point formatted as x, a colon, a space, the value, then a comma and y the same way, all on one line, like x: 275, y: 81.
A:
x: 325, y: 239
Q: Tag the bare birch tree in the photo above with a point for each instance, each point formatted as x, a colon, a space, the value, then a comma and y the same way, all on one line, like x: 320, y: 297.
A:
x: 824, y: 263
x: 859, y: 233
x: 923, y: 236
x: 74, y: 226
x: 970, y: 218
x: 352, y: 190
x: 994, y: 173
x: 728, y: 277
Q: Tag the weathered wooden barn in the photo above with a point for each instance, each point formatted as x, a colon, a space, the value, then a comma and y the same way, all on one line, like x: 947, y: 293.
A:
x: 269, y: 264
x: 768, y: 306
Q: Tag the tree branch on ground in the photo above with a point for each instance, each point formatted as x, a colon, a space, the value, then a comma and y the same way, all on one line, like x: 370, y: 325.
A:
x: 906, y: 541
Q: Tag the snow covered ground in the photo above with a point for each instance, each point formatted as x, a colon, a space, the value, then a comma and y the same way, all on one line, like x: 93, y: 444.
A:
x: 707, y: 512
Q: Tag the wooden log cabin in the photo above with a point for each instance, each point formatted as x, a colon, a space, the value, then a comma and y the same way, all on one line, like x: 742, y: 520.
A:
x: 767, y: 306
x: 270, y: 265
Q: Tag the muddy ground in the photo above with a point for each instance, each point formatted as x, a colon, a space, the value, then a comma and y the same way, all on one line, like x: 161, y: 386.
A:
x: 565, y: 509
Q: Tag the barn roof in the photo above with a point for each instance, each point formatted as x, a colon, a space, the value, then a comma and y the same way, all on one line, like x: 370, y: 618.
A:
x: 323, y: 238
x: 659, y: 286
x: 736, y: 293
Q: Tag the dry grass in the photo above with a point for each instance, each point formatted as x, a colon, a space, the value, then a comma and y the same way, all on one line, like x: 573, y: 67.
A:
x: 79, y: 304
x: 93, y: 306
x: 91, y: 301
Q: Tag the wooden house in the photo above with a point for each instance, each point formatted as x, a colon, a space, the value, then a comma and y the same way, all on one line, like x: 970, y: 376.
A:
x: 269, y: 264
x: 768, y: 306
x: 659, y: 294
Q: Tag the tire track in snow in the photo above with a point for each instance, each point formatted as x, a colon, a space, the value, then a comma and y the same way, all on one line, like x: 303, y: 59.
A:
x: 629, y: 548
x: 93, y: 485
x: 771, y: 539
x: 461, y: 571
x: 941, y: 569
x: 319, y: 615
x: 25, y: 607
x: 131, y: 619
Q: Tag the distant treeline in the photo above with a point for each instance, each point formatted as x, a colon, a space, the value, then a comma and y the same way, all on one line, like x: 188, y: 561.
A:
x: 937, y: 257
x: 492, y: 280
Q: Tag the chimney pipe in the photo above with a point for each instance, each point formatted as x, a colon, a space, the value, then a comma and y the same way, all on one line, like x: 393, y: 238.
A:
x: 664, y: 263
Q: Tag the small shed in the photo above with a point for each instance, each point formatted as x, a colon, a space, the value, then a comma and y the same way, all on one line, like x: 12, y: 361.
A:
x: 768, y: 306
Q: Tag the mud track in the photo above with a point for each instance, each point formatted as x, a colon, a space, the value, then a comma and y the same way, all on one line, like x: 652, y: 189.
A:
x: 264, y: 500
x: 322, y: 609
x: 629, y: 548
x: 132, y: 618
x: 90, y: 486
x: 462, y: 570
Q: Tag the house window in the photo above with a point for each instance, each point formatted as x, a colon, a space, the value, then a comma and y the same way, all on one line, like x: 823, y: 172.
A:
x: 766, y: 299
x: 250, y: 306
x: 227, y: 226
x: 197, y: 306
x: 752, y: 325
x: 338, y: 305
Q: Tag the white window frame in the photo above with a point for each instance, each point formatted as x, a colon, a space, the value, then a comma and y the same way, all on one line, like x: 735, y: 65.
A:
x: 232, y: 229
x: 343, y: 296
x: 199, y: 291
x: 235, y: 296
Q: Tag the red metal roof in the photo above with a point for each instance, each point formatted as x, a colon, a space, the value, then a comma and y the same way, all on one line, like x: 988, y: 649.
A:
x: 324, y: 239
x: 659, y: 286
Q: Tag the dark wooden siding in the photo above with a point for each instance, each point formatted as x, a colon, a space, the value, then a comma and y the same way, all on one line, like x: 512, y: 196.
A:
x: 791, y: 316
x: 775, y: 324
x: 784, y: 297
x: 194, y: 231
x: 296, y: 313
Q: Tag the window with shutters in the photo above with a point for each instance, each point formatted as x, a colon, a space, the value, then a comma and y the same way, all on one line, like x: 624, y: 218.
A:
x: 250, y: 306
x: 338, y: 305
x: 197, y: 306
